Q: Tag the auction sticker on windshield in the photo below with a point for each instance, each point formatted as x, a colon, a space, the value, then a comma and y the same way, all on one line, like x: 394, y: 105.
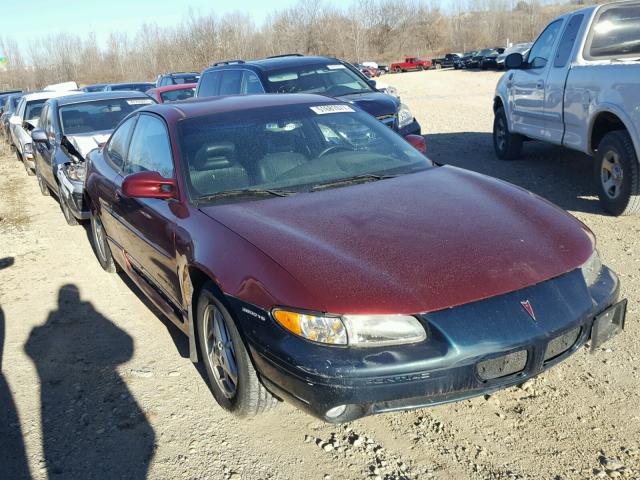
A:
x: 337, y: 66
x: 142, y: 101
x: 323, y: 109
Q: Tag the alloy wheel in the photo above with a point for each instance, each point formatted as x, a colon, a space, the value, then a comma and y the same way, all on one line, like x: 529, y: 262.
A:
x: 220, y: 353
x: 611, y: 174
x: 98, y: 234
x: 501, y: 134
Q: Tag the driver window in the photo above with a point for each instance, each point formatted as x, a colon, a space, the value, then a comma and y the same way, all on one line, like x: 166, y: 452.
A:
x: 542, y: 50
x: 150, y: 150
x: 117, y: 148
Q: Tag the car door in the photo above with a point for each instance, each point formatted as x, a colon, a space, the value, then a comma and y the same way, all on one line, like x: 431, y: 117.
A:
x: 148, y: 224
x: 47, y: 151
x: 526, y: 86
x: 106, y: 186
x: 556, y: 80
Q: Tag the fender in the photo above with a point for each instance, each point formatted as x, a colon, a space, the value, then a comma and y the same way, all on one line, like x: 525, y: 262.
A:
x: 624, y: 118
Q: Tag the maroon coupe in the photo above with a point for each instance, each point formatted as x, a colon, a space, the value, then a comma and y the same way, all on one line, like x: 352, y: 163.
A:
x: 311, y: 254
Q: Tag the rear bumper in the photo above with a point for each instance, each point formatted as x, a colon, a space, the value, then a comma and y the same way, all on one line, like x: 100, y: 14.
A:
x: 455, y: 363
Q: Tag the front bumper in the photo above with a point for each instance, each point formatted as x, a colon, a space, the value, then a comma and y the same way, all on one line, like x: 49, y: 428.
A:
x: 72, y: 193
x: 412, y: 129
x: 464, y: 344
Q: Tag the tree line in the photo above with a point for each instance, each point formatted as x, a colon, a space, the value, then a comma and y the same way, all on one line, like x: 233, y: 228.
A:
x: 361, y: 30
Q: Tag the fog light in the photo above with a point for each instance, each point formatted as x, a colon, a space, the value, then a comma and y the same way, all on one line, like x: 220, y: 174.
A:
x: 335, y: 412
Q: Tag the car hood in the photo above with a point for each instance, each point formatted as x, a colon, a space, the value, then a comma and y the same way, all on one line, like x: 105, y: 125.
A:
x: 374, y: 103
x: 416, y: 243
x: 86, y: 142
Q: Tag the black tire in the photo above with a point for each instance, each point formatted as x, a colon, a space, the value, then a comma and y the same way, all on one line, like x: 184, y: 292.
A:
x: 100, y: 245
x: 398, y: 70
x: 66, y: 211
x: 44, y: 188
x: 420, y: 68
x: 617, y: 174
x: 507, y: 145
x: 223, y: 345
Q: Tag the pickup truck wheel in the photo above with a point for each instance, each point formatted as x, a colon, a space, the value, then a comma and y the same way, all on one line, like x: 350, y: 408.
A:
x: 233, y: 380
x: 618, y: 174
x: 438, y: 66
x: 100, y: 244
x: 420, y: 67
x: 507, y: 145
x: 398, y: 70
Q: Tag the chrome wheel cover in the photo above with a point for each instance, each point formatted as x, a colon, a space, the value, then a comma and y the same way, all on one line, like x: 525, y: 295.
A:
x: 220, y: 353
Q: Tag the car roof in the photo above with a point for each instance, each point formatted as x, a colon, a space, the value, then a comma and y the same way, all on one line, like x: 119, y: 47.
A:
x: 129, y: 83
x: 51, y: 94
x: 179, y: 74
x: 96, y: 96
x: 210, y: 105
x: 168, y: 88
x: 275, y: 63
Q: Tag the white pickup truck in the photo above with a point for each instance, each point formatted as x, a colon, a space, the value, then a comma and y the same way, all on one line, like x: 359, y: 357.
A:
x: 579, y: 86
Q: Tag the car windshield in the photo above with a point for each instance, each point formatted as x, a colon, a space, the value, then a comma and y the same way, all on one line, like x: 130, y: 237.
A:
x: 178, y: 95
x: 33, y: 109
x: 292, y: 148
x: 97, y: 116
x: 486, y: 51
x: 332, y: 80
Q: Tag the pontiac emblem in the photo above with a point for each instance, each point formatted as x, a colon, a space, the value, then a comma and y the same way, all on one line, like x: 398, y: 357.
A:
x: 529, y: 309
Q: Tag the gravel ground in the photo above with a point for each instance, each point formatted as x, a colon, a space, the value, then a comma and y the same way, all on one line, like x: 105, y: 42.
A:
x: 95, y: 385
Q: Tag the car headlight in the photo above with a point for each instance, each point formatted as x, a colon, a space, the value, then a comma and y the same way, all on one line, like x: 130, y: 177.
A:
x: 591, y: 268
x: 28, y: 148
x: 405, y: 117
x: 353, y: 330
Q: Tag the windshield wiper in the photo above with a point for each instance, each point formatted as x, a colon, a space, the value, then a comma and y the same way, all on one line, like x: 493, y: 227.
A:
x: 355, y: 92
x: 247, y: 192
x: 367, y: 177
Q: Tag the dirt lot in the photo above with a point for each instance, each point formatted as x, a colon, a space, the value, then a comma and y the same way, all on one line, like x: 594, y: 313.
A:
x: 103, y: 388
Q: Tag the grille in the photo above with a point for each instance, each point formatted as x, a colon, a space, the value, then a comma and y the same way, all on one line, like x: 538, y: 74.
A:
x: 502, y: 366
x: 561, y: 344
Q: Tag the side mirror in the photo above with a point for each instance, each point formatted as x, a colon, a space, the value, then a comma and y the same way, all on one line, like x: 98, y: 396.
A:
x: 514, y: 61
x: 15, y: 120
x: 372, y: 83
x: 149, y: 185
x: 418, y: 142
x: 39, y: 136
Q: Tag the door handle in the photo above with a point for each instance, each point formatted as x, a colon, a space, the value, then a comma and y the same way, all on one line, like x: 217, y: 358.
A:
x: 117, y: 196
x: 540, y: 84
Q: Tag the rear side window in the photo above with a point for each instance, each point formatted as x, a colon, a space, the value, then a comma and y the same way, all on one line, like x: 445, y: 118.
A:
x: 251, y: 83
x: 615, y: 32
x: 119, y: 140
x: 209, y: 84
x: 568, y: 40
x: 150, y: 150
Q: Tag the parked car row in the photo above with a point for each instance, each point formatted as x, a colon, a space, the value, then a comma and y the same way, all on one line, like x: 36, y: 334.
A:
x: 290, y: 224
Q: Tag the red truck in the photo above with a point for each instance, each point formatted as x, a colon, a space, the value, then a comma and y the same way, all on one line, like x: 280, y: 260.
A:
x: 411, y: 63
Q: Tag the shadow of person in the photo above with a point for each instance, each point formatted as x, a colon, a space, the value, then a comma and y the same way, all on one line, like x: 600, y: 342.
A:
x: 92, y: 426
x: 13, y: 461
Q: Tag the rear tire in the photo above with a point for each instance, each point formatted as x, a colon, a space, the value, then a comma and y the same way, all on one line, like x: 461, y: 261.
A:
x: 617, y: 174
x: 101, y: 245
x: 420, y: 68
x: 507, y: 145
x: 232, y: 378
x: 398, y: 70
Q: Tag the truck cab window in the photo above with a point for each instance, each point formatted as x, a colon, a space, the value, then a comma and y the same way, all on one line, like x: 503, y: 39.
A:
x: 542, y: 50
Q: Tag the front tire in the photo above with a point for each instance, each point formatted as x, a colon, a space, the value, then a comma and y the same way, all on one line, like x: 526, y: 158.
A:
x: 398, y: 70
x: 44, y: 188
x: 232, y: 378
x: 66, y: 211
x: 100, y: 245
x: 617, y: 174
x: 420, y: 68
x: 507, y: 145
